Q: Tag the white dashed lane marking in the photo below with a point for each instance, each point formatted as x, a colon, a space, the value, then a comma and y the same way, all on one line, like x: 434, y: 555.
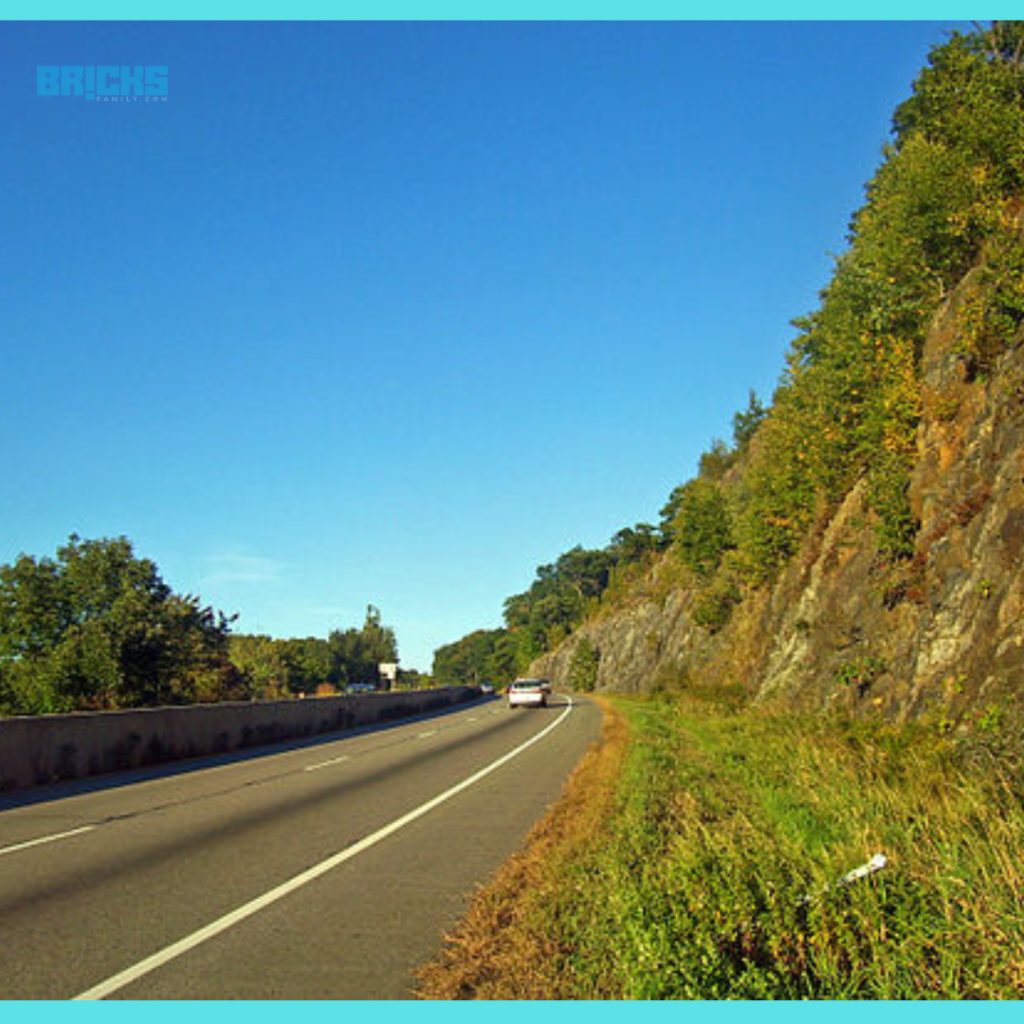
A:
x: 327, y: 764
x: 46, y: 839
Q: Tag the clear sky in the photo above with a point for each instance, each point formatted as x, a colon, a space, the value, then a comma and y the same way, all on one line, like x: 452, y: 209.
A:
x: 395, y: 313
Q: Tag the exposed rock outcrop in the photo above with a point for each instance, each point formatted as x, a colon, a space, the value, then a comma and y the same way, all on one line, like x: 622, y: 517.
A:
x: 942, y: 633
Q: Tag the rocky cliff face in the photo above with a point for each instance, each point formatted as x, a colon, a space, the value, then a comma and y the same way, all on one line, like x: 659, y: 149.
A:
x: 942, y: 633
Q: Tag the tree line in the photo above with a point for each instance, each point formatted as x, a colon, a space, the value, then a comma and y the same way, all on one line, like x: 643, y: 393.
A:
x: 96, y: 628
x: 569, y: 589
x: 280, y: 668
x: 946, y: 200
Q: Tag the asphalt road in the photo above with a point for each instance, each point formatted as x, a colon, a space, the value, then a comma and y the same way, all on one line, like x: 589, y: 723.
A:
x: 320, y: 870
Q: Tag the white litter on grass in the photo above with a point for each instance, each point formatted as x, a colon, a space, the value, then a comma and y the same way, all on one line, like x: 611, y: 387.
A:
x: 876, y: 863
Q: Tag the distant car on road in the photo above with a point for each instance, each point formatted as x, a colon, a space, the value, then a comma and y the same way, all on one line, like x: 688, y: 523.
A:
x: 486, y: 690
x: 528, y: 693
x: 360, y: 688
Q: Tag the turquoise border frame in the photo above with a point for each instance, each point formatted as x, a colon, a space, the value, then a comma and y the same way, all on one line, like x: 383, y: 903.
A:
x: 510, y: 1012
x: 480, y: 10
x: 502, y: 10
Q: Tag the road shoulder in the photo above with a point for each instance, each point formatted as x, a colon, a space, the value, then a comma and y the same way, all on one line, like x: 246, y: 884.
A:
x: 497, y: 951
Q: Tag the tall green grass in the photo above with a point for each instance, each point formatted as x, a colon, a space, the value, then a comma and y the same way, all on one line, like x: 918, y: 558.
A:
x: 715, y: 877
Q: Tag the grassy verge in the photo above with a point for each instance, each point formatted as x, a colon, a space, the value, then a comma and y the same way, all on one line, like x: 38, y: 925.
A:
x: 503, y: 947
x: 705, y: 868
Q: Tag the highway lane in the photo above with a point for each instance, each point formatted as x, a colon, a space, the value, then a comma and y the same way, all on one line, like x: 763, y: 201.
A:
x: 100, y: 881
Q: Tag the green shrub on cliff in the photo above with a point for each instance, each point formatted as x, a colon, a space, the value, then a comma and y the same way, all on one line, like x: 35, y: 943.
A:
x: 703, y: 526
x: 947, y: 198
x: 583, y: 667
x: 849, y: 403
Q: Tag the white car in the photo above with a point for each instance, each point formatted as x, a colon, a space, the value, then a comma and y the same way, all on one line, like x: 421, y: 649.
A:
x: 528, y: 693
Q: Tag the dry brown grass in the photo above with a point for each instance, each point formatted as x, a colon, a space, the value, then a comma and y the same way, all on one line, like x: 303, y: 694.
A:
x: 495, y: 952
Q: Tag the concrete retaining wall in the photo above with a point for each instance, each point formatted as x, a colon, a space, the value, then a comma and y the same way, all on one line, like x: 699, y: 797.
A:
x: 48, y: 748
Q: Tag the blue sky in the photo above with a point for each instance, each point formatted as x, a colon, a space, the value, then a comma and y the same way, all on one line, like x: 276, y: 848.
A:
x: 394, y: 313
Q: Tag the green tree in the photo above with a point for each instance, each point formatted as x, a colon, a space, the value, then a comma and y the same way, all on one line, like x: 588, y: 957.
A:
x: 584, y: 665
x: 472, y: 659
x: 634, y: 544
x: 98, y: 628
x: 356, y: 653
x: 746, y: 422
x: 261, y: 661
x: 703, y: 526
x: 713, y: 464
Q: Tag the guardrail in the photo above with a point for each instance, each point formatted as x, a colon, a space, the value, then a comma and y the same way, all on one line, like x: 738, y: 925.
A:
x: 43, y: 749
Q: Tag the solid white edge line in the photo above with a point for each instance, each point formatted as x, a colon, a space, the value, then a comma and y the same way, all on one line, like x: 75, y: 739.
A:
x: 46, y: 839
x: 151, y: 963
